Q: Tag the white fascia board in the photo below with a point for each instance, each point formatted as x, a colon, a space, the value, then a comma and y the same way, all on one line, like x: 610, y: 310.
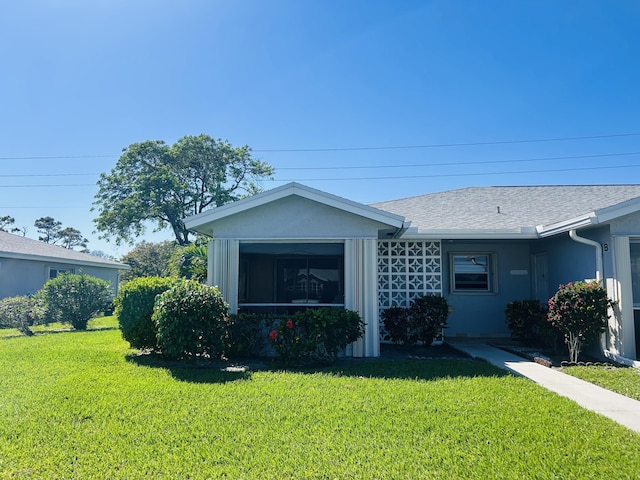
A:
x: 603, y: 215
x: 620, y: 210
x: 289, y: 189
x: 563, y: 227
x: 66, y: 261
x: 521, y: 233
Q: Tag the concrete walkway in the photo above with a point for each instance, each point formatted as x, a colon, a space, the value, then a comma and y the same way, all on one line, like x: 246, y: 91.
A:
x: 619, y: 408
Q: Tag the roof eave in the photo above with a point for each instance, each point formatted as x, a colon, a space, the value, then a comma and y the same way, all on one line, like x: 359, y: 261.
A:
x: 567, y: 225
x: 66, y: 261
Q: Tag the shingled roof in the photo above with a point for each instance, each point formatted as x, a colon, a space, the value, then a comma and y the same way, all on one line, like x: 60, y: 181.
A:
x: 16, y: 246
x: 523, y: 209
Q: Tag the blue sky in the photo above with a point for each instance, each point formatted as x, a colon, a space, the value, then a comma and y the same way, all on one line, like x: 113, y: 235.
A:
x: 82, y: 80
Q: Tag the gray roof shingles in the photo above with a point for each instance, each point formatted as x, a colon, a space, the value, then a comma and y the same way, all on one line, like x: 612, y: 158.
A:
x: 23, y: 247
x: 476, y: 208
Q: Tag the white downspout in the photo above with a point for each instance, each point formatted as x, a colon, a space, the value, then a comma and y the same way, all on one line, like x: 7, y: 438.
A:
x: 599, y: 269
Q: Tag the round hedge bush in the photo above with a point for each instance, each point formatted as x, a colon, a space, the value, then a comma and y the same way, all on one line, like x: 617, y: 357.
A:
x: 134, y: 307
x: 76, y: 298
x: 192, y: 321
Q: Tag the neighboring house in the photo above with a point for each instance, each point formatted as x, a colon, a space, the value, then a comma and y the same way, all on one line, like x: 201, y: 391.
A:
x: 479, y: 247
x: 26, y: 264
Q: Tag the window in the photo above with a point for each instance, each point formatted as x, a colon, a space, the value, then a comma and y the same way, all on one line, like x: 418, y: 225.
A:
x: 309, y: 279
x: 471, y: 272
x: 288, y: 277
x: 55, y: 271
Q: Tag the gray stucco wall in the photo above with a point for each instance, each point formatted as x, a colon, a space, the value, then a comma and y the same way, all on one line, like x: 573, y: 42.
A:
x: 482, y: 314
x: 570, y: 261
x: 627, y: 225
x: 26, y: 277
x: 295, y: 217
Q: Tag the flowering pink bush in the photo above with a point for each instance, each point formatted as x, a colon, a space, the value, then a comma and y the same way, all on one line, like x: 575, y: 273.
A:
x: 580, y: 311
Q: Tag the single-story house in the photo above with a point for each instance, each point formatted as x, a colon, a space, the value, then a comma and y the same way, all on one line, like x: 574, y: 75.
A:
x: 27, y: 264
x: 297, y: 247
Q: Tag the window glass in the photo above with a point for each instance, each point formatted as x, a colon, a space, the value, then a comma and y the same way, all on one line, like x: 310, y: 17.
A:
x: 470, y: 272
x: 289, y: 277
x: 55, y: 271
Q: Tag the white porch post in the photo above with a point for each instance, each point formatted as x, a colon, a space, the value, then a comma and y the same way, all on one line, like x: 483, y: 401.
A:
x: 621, y: 324
x: 222, y: 269
x: 361, y: 291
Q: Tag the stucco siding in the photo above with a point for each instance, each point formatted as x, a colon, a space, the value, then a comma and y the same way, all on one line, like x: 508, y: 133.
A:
x: 26, y: 277
x: 570, y: 261
x: 295, y: 217
x: 628, y: 225
x: 482, y: 314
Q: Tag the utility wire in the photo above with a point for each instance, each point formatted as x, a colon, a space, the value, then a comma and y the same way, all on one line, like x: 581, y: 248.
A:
x: 374, y: 167
x: 445, y: 164
x: 444, y: 145
x: 348, y: 149
x: 436, y: 175
x: 440, y: 175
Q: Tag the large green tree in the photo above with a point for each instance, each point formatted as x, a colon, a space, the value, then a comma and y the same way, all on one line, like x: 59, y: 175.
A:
x: 153, y: 182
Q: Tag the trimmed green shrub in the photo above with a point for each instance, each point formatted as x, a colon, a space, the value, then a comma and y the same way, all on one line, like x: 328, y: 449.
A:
x: 396, y: 324
x: 422, y: 321
x: 192, y: 321
x: 580, y: 311
x: 21, y: 312
x: 134, y: 308
x: 315, y: 335
x: 527, y: 320
x: 428, y: 315
x: 76, y: 298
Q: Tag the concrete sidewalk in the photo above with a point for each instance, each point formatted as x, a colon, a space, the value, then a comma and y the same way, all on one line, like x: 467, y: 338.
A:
x: 619, y: 408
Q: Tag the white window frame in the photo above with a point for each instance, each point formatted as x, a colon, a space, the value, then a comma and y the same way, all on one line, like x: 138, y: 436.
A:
x: 491, y: 265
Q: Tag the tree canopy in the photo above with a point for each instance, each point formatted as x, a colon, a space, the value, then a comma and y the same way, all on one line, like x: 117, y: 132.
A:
x: 53, y: 233
x: 6, y: 221
x: 148, y: 259
x: 153, y: 182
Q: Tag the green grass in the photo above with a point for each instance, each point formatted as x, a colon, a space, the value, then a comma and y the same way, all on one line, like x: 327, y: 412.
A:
x: 623, y: 380
x: 94, y: 324
x: 81, y: 405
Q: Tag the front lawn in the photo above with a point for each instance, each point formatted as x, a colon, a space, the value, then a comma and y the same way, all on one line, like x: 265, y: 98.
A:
x: 81, y: 405
x: 623, y: 380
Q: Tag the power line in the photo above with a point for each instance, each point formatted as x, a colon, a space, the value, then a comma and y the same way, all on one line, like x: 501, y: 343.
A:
x: 37, y: 185
x: 347, y: 149
x: 59, y: 157
x: 439, y: 175
x: 435, y: 175
x: 444, y: 164
x: 13, y: 175
x: 373, y: 167
x: 444, y: 145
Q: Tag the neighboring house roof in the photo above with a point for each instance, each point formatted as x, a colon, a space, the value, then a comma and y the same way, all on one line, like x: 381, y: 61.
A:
x: 16, y: 246
x: 532, y: 211
x: 198, y: 222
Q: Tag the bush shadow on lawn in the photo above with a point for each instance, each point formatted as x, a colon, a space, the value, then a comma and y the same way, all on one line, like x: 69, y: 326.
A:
x: 404, y: 363
x: 209, y: 371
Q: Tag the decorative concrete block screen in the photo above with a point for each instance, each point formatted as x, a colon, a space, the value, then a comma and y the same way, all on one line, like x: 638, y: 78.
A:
x: 406, y: 270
